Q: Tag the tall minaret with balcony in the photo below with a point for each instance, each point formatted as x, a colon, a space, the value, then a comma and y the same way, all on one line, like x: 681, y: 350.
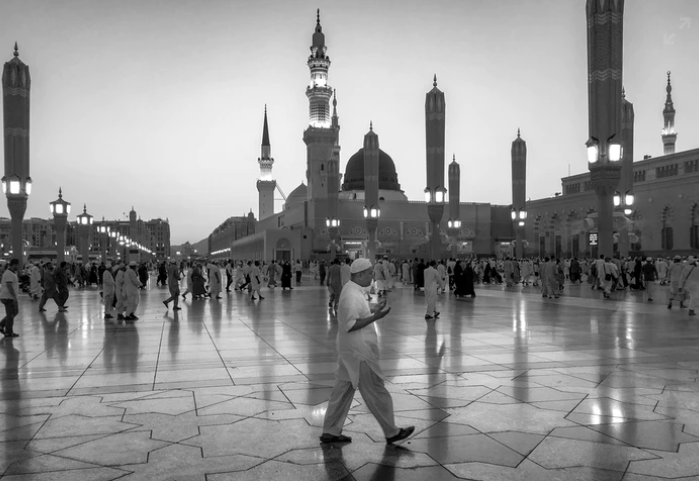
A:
x: 321, y: 135
x: 266, y: 183
x: 669, y: 134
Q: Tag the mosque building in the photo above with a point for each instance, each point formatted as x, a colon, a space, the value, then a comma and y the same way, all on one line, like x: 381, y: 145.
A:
x: 301, y: 230
x: 331, y: 214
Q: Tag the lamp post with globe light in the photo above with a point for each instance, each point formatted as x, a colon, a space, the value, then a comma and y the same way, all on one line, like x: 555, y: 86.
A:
x: 84, y: 226
x: 103, y: 230
x: 16, y: 183
x: 60, y: 210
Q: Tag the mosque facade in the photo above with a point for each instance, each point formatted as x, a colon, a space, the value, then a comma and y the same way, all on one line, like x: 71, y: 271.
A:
x: 325, y: 216
x: 301, y: 230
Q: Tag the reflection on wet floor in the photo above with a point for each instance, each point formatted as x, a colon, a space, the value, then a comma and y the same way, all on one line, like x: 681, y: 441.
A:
x: 504, y: 386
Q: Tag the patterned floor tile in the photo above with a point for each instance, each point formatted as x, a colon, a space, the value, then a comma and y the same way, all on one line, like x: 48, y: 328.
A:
x: 465, y: 449
x: 114, y: 450
x: 555, y: 453
x: 508, y: 417
x: 671, y: 465
x: 528, y: 471
x: 655, y: 435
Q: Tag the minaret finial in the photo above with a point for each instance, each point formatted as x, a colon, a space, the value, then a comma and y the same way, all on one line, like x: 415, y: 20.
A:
x: 60, y: 193
x: 371, y: 126
x: 16, y: 50
x: 318, y: 17
x: 434, y: 83
x: 334, y: 98
x: 668, y: 89
x: 453, y: 157
x: 623, y: 92
x: 517, y: 132
x: 84, y: 208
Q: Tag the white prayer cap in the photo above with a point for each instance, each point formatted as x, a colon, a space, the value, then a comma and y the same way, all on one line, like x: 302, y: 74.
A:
x: 359, y: 265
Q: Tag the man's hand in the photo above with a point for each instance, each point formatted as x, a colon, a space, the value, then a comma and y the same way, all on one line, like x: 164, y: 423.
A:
x: 378, y: 306
x: 382, y: 312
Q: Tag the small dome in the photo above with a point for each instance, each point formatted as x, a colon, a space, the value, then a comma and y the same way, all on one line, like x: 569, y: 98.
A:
x: 298, y: 194
x: 354, y: 172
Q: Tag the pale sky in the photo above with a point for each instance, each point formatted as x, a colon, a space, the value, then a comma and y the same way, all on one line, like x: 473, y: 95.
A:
x: 159, y: 103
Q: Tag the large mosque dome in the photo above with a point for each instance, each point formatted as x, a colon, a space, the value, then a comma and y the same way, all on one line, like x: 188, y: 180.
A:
x: 354, y: 173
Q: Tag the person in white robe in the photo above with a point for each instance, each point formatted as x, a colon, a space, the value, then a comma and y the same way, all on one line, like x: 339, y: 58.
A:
x: 358, y: 362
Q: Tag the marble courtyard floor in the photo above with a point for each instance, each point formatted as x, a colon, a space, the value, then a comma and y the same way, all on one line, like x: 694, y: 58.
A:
x: 506, y: 386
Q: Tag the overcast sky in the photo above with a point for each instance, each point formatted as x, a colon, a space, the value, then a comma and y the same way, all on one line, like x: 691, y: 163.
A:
x: 159, y: 103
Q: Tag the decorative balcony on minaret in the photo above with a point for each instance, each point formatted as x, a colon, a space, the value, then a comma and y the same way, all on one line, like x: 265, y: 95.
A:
x: 266, y: 183
x: 321, y: 135
x: 669, y: 134
x: 435, y: 192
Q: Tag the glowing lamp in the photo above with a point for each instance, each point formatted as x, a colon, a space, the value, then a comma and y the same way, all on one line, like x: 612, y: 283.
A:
x: 521, y: 223
x: 617, y: 199
x: 457, y: 224
x: 428, y: 195
x: 59, y: 206
x: 28, y: 186
x: 592, y: 153
x: 629, y: 198
x: 513, y: 214
x: 615, y: 152
x: 14, y: 186
x: 440, y: 195
x: 628, y: 211
x: 522, y: 214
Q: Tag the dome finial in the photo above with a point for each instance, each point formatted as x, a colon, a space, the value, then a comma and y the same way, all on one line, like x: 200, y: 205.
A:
x: 60, y: 193
x: 434, y: 83
x: 453, y: 157
x: 318, y: 17
x: 16, y: 50
x: 668, y: 89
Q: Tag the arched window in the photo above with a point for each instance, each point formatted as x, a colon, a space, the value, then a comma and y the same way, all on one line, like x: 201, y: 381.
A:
x: 322, y: 167
x: 694, y: 228
x: 666, y: 239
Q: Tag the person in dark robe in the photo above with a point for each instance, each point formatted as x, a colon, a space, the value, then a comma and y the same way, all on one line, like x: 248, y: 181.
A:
x: 143, y: 275
x: 286, y: 276
x: 162, y: 274
x: 575, y: 271
x: 420, y: 281
x: 469, y: 276
x: 198, y: 283
x: 415, y: 274
x: 458, y: 280
x: 638, y: 274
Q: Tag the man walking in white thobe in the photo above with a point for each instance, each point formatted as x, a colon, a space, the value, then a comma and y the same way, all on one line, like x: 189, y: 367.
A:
x: 358, y: 363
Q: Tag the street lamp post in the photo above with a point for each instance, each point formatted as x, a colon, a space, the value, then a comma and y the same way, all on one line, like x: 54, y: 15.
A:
x: 605, y: 143
x: 519, y: 216
x: 60, y: 210
x: 435, y: 122
x: 16, y: 184
x: 435, y: 210
x: 454, y: 223
x: 371, y: 214
x: 84, y: 226
x: 103, y: 230
x: 333, y: 225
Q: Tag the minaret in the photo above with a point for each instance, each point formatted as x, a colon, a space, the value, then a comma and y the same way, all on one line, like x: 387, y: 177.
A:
x: 16, y: 86
x: 333, y: 185
x: 626, y: 181
x: 321, y: 135
x: 435, y: 110
x: 266, y: 183
x: 454, y: 203
x: 669, y: 134
x: 372, y: 210
x: 519, y: 192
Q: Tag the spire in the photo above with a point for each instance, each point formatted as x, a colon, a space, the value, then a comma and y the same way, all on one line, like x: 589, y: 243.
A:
x: 434, y: 83
x: 16, y: 50
x: 265, y: 131
x: 668, y: 89
x: 60, y: 193
x: 334, y: 102
x: 518, y: 132
x: 371, y: 126
x: 318, y: 27
x: 669, y: 134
